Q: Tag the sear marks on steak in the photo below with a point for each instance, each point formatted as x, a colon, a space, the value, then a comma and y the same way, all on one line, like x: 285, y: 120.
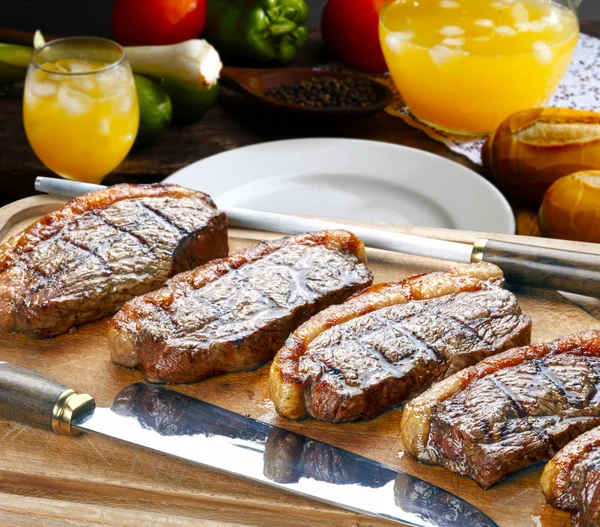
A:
x: 508, y: 411
x: 363, y: 367
x: 571, y: 480
x: 392, y: 341
x: 235, y: 313
x: 83, y: 261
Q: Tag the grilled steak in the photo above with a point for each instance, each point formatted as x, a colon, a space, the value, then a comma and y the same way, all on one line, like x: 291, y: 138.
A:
x: 391, y: 341
x: 508, y: 411
x: 234, y: 314
x: 571, y: 480
x: 83, y: 261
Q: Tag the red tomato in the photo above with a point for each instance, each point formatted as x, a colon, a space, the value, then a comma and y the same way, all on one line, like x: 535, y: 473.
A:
x: 150, y: 22
x: 350, y: 30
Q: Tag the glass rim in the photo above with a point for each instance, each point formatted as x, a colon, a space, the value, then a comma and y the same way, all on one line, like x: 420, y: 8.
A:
x: 103, y: 40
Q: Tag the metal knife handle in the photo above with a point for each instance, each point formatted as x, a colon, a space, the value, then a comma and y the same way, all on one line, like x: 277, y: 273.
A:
x: 30, y: 398
x: 535, y: 266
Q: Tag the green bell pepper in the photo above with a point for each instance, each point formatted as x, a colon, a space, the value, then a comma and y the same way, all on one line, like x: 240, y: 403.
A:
x: 265, y: 30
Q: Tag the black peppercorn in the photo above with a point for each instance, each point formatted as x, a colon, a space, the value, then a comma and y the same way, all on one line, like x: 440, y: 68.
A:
x: 326, y: 92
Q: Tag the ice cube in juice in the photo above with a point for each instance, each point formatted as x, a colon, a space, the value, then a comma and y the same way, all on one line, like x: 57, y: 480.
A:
x: 466, y: 65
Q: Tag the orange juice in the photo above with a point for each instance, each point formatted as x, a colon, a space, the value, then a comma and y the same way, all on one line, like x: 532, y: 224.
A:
x: 466, y: 65
x: 81, y: 117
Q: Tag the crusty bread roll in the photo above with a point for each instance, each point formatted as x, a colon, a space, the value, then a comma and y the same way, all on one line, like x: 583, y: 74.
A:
x: 533, y: 148
x: 571, y: 208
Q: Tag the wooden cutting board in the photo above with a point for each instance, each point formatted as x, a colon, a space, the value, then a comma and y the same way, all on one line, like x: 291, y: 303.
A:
x: 92, y: 481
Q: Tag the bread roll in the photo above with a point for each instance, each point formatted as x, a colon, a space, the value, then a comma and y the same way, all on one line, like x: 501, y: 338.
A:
x: 571, y: 208
x: 533, y: 148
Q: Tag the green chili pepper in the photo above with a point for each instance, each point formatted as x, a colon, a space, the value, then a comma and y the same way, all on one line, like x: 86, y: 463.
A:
x: 266, y: 30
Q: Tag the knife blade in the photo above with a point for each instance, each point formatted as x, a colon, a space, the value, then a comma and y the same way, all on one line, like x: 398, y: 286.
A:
x: 171, y: 423
x: 527, y: 264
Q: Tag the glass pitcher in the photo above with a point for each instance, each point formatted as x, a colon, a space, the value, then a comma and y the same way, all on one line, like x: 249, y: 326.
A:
x: 465, y: 65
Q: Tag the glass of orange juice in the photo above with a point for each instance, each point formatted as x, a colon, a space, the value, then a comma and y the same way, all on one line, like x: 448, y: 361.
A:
x: 80, y: 107
x: 465, y: 65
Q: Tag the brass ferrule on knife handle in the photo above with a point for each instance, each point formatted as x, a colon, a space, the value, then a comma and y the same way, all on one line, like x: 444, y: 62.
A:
x: 69, y: 405
x: 535, y: 266
x: 32, y: 399
x: 478, y: 247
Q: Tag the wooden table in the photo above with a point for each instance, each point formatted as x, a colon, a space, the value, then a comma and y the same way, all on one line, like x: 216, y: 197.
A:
x: 233, y: 122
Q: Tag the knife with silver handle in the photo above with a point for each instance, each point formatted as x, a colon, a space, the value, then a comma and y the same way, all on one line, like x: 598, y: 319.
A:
x: 165, y: 421
x: 570, y: 271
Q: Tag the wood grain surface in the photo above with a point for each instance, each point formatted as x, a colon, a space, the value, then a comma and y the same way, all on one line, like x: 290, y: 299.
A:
x: 92, y: 481
x: 235, y: 121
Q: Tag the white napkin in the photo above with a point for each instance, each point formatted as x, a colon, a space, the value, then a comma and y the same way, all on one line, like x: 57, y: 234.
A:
x: 580, y: 89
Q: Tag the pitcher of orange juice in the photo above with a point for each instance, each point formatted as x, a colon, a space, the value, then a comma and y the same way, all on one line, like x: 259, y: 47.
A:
x: 465, y: 65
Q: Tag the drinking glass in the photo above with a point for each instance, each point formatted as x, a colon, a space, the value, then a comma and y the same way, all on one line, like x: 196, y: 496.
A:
x: 80, y: 107
x: 465, y: 65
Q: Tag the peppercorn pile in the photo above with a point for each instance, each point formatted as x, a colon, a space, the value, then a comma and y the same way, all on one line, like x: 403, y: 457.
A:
x: 326, y: 92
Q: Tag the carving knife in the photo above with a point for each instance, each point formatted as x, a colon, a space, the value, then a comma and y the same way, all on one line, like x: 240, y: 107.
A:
x: 177, y: 425
x: 547, y: 268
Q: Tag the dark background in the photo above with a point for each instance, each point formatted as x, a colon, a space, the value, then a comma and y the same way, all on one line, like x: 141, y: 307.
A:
x: 86, y: 17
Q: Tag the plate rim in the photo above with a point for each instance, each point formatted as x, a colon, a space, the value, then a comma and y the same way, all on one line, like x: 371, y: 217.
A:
x: 493, y: 192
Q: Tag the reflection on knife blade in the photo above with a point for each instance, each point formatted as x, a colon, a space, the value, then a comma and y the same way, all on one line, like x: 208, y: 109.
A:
x: 175, y: 424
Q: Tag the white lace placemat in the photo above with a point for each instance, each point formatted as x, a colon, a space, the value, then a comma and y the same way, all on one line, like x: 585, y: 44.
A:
x: 579, y: 89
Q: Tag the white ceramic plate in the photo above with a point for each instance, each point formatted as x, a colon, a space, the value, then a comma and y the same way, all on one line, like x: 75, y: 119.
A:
x: 353, y: 179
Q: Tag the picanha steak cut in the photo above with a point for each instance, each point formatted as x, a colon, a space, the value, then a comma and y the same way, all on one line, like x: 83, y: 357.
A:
x: 233, y: 314
x: 571, y: 480
x: 391, y: 341
x: 509, y: 411
x: 85, y: 260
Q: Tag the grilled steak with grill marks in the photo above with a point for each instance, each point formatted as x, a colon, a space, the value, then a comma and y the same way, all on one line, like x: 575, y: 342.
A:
x: 234, y: 314
x: 571, y: 480
x: 391, y: 341
x: 83, y: 261
x: 508, y: 411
